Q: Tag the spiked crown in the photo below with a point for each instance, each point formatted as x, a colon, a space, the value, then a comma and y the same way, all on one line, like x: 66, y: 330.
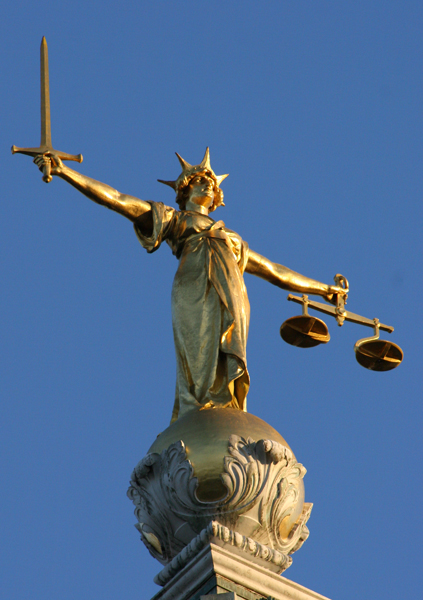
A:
x: 190, y: 171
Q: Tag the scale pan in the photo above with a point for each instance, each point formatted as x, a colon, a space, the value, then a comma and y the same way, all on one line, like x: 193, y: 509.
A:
x: 304, y: 331
x: 378, y: 355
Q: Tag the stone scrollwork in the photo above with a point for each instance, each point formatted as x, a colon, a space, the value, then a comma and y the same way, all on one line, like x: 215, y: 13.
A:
x: 261, y: 479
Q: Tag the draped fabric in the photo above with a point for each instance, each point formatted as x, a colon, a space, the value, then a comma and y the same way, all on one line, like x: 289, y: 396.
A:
x: 210, y: 308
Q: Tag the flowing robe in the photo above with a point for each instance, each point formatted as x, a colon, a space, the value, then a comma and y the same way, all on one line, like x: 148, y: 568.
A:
x: 210, y: 308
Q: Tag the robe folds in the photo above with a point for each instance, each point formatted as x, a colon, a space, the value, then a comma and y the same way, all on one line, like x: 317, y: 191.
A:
x: 210, y: 308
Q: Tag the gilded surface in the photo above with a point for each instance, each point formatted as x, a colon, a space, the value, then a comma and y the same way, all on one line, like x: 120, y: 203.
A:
x: 210, y: 308
x: 45, y: 147
x: 205, y: 435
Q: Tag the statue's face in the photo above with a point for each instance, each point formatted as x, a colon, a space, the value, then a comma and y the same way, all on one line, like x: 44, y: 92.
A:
x: 200, y: 191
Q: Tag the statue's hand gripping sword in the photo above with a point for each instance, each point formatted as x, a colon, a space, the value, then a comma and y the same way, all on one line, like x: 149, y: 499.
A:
x: 46, y: 145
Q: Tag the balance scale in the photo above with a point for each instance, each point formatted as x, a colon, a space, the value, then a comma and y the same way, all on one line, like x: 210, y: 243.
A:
x: 306, y: 331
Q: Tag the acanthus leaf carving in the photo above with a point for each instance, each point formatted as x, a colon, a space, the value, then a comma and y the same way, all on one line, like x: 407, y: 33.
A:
x: 261, y: 479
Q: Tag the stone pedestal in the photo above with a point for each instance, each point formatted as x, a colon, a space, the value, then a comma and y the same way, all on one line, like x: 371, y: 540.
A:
x: 222, y: 571
x: 219, y: 501
x: 264, y: 499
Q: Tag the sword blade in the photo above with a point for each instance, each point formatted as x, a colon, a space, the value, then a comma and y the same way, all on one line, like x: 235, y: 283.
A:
x: 45, y: 97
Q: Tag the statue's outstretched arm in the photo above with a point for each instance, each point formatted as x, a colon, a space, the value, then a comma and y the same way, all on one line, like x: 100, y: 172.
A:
x: 130, y: 207
x: 287, y: 279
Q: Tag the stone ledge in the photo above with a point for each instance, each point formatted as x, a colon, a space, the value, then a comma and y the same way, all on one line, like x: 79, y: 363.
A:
x: 245, y: 574
x: 225, y: 538
x: 228, y: 596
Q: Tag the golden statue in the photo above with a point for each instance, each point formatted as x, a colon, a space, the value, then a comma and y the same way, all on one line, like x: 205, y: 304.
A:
x: 210, y: 308
x: 215, y: 475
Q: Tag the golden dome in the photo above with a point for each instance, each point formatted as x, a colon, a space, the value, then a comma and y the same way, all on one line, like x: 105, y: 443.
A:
x: 205, y: 434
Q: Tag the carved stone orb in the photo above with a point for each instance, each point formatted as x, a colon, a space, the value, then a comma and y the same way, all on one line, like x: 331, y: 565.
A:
x: 224, y: 465
x: 205, y: 434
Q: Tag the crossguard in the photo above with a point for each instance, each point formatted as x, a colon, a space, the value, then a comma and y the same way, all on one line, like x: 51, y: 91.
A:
x: 45, y: 150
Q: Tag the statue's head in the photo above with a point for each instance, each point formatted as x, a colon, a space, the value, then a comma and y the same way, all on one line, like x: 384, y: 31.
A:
x: 197, y: 180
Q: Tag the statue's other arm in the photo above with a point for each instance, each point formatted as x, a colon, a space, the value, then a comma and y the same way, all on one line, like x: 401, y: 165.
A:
x: 130, y: 207
x: 286, y: 279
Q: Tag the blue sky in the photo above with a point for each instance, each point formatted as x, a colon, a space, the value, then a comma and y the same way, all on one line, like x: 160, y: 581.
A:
x: 315, y: 111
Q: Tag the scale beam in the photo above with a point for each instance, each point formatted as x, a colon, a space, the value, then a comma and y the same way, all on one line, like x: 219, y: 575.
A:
x: 336, y: 312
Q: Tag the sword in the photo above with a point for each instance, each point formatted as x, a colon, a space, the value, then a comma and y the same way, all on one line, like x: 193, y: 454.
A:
x: 46, y: 146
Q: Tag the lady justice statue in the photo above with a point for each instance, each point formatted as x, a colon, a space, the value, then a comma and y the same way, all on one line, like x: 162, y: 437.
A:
x: 210, y: 315
x: 210, y: 308
x: 218, y: 477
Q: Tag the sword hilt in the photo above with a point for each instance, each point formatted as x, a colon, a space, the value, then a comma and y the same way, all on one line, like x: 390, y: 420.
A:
x: 47, y: 160
x: 47, y: 170
x: 44, y: 150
